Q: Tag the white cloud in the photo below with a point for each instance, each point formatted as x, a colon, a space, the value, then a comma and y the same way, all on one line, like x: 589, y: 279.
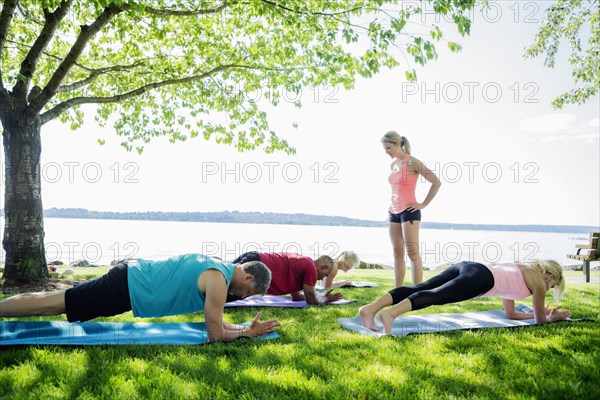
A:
x: 549, y: 123
x: 588, y: 137
x: 554, y: 139
x: 562, y: 127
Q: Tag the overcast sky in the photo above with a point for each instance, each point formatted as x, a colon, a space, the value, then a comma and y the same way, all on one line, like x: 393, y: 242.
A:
x: 482, y: 119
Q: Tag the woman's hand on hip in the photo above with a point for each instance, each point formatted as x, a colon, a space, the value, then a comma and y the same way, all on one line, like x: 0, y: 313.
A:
x: 415, y: 206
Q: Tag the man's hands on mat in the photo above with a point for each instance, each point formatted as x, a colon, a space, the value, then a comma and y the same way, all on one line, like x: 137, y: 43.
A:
x: 314, y: 298
x: 258, y: 328
x: 331, y: 297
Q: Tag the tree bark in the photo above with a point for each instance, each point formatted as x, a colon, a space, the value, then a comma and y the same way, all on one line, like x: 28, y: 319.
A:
x: 23, y: 240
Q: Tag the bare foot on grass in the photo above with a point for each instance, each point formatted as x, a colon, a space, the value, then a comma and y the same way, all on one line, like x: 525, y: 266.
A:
x: 368, y: 318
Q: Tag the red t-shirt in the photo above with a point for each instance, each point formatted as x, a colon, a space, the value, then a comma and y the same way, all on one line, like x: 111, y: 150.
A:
x: 289, y: 272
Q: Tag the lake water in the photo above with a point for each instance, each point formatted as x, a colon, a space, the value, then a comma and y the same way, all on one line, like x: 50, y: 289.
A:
x: 101, y: 241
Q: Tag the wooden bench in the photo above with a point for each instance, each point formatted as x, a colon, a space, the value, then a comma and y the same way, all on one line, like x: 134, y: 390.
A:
x: 591, y: 253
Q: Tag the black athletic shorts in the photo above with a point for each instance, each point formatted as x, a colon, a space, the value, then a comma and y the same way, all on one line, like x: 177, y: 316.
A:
x: 105, y: 296
x: 405, y: 216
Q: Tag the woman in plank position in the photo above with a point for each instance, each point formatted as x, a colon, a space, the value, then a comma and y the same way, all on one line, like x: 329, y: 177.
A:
x: 347, y: 260
x: 466, y: 280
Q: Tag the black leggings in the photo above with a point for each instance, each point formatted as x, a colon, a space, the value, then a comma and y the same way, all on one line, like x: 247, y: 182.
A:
x: 460, y: 282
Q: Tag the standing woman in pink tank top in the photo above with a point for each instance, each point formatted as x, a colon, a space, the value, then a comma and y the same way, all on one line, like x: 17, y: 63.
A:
x: 405, y: 211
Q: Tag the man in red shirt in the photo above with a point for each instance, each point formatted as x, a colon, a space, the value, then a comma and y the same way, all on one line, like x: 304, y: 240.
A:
x: 295, y: 275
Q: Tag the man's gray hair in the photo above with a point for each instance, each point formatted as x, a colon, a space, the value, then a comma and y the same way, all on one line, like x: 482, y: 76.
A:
x: 261, y: 274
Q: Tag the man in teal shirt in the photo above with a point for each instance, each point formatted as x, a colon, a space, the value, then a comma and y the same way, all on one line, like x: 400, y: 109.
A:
x: 178, y: 285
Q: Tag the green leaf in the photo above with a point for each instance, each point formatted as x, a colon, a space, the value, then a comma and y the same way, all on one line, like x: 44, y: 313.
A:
x: 454, y: 47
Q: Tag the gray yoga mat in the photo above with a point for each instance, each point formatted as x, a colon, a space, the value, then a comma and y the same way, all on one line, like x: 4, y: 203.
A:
x: 431, y: 323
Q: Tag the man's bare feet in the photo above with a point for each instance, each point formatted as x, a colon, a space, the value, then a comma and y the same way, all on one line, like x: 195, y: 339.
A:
x: 367, y: 317
x: 388, y: 320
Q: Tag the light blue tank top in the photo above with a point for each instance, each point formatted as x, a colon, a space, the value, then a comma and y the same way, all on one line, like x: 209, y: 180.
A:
x: 170, y: 287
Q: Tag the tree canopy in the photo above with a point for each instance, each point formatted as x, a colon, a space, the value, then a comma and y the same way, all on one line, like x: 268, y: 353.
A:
x: 183, y: 68
x: 570, y: 20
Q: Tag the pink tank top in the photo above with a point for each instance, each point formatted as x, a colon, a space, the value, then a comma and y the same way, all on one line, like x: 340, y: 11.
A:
x: 508, y: 282
x: 403, y: 184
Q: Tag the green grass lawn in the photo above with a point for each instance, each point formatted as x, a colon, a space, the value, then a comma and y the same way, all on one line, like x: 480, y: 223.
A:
x: 315, y: 358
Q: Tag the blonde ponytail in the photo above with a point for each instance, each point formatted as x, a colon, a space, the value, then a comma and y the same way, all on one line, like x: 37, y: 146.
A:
x: 404, y: 144
x: 394, y: 138
x: 554, y: 269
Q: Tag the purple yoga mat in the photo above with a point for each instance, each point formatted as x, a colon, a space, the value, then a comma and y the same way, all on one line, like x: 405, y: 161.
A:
x: 276, y: 301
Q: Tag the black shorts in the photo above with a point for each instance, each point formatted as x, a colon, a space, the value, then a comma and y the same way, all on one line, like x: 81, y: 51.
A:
x: 405, y: 216
x: 102, y: 297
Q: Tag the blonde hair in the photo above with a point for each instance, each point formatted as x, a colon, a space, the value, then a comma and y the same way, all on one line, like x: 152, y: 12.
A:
x: 394, y: 138
x: 553, y: 269
x: 349, y: 258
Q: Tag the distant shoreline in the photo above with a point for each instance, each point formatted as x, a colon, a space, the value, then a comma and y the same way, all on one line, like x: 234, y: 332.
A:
x: 292, y: 219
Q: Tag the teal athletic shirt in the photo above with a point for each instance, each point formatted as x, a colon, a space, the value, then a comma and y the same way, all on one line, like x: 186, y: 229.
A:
x: 170, y: 287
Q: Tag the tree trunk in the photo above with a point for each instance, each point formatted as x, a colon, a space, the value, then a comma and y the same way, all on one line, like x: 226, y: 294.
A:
x: 23, y: 240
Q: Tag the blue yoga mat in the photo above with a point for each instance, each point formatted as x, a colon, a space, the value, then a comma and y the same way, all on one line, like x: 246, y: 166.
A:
x: 432, y: 323
x: 104, y: 333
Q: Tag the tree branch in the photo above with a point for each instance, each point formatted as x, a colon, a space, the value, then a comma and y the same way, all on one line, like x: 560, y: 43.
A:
x: 31, y: 59
x: 22, y: 48
x: 86, y: 34
x: 333, y: 16
x: 95, y: 73
x: 272, y: 3
x: 29, y: 16
x: 64, y: 106
x: 8, y: 10
x: 179, y: 13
